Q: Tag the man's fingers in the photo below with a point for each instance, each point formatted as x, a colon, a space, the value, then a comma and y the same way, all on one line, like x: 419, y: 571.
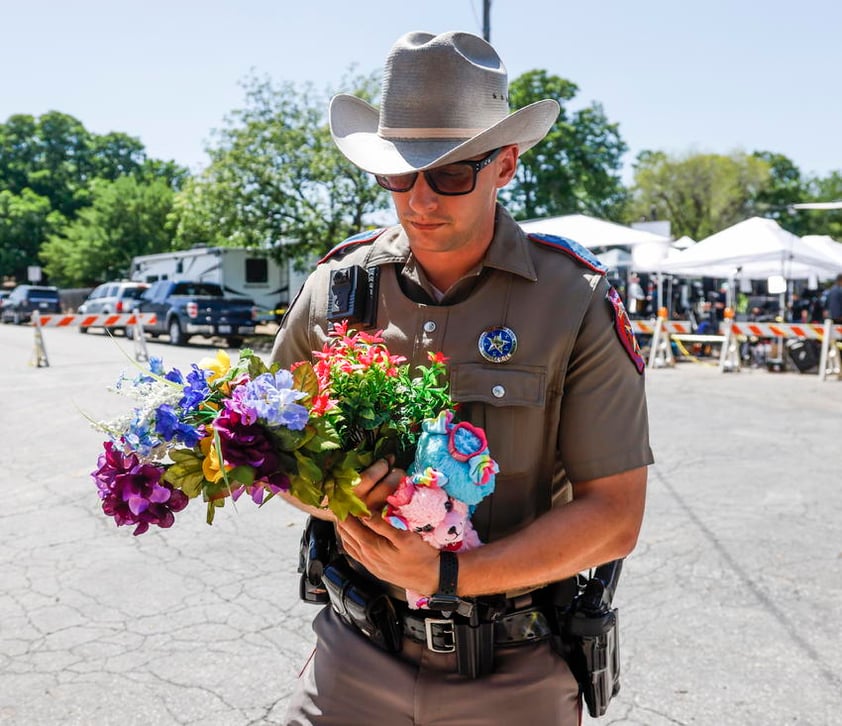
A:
x: 371, y: 475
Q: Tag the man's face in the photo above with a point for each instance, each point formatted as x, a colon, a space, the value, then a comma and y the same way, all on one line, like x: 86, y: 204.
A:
x: 440, y: 223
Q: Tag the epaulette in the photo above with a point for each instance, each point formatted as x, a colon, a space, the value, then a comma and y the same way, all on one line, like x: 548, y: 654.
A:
x: 571, y: 249
x: 368, y: 236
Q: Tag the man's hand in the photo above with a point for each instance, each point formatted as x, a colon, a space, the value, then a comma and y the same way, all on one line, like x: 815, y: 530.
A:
x: 396, y: 556
x: 399, y: 557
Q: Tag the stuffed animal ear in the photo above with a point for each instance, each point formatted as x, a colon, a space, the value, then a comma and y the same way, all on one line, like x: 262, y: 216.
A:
x: 466, y: 441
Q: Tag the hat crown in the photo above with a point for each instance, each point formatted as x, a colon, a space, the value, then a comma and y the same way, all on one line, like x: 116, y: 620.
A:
x: 447, y: 86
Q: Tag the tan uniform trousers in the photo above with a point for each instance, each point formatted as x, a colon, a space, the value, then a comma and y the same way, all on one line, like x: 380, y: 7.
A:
x: 350, y: 682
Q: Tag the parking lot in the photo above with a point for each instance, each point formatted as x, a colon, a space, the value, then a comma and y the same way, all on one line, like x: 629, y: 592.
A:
x: 729, y: 606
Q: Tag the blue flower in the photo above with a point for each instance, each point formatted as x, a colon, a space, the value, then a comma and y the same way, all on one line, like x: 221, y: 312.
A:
x: 168, y: 425
x: 196, y: 390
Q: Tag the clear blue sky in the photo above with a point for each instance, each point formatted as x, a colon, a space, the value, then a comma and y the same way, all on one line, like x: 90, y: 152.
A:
x: 713, y: 76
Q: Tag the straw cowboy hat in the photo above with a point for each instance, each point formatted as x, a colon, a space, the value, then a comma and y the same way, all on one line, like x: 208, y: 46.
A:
x: 444, y: 98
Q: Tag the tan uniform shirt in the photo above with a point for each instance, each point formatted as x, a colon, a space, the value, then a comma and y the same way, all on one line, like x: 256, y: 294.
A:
x: 569, y: 405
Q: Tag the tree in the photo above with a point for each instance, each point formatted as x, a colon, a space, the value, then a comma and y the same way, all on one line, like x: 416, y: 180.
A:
x: 275, y: 175
x: 26, y: 219
x: 127, y: 217
x: 823, y: 189
x: 576, y: 168
x: 699, y: 193
x: 784, y: 187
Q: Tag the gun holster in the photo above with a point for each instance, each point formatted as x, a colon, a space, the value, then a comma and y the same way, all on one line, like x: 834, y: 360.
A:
x: 317, y: 550
x: 372, y: 613
x: 589, y: 634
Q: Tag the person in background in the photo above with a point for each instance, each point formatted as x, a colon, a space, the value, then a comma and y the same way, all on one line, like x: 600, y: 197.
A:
x: 833, y: 301
x: 540, y: 354
x: 635, y: 297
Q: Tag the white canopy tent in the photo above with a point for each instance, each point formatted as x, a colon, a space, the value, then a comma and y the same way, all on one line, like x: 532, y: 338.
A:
x: 755, y: 248
x: 616, y: 259
x: 592, y: 232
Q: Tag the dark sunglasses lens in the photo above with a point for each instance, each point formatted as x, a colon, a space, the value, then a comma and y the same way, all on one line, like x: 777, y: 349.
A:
x: 397, y: 182
x: 452, y: 179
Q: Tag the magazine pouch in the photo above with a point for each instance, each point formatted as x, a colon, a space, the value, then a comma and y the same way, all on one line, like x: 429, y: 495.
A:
x: 356, y: 602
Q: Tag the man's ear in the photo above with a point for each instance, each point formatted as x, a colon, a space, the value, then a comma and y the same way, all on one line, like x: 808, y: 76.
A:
x: 508, y: 164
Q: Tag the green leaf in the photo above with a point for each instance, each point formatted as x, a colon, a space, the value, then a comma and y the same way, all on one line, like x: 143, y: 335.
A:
x: 304, y: 379
x: 186, y: 472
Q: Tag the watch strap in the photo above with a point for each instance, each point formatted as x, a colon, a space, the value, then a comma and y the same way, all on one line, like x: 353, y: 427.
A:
x: 448, y: 573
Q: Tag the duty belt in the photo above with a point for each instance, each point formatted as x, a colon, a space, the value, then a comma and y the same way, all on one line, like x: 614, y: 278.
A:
x: 438, y: 633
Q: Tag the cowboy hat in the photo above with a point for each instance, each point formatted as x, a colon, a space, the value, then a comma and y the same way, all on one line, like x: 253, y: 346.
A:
x: 444, y: 98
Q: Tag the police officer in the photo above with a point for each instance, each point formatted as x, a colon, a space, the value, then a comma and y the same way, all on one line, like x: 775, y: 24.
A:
x: 541, y: 355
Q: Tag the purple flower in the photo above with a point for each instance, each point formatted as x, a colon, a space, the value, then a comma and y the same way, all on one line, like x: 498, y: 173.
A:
x: 133, y: 493
x: 271, y: 399
x: 249, y: 444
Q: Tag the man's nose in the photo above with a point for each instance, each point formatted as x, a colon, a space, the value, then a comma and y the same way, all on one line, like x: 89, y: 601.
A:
x: 422, y: 196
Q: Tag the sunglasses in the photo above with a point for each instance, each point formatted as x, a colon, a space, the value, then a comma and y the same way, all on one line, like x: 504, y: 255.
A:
x: 450, y: 180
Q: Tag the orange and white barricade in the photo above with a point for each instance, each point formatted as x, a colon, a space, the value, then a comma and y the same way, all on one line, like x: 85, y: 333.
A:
x: 660, y: 352
x: 133, y: 320
x: 827, y: 333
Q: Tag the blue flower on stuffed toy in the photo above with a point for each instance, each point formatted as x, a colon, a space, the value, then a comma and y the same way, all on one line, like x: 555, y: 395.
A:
x: 460, y: 452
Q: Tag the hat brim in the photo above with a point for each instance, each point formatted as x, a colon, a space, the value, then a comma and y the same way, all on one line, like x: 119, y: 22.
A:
x: 354, y: 123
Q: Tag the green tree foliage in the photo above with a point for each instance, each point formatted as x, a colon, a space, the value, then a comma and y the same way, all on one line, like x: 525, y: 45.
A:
x: 127, y: 217
x: 26, y: 219
x: 827, y: 189
x: 275, y: 175
x: 576, y: 168
x: 49, y: 166
x: 699, y: 193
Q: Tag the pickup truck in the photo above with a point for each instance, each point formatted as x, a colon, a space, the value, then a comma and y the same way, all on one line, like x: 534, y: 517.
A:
x: 184, y: 309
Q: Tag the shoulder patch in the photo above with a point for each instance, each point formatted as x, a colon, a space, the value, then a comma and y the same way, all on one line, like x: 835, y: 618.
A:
x: 623, y: 328
x: 361, y: 238
x: 572, y: 249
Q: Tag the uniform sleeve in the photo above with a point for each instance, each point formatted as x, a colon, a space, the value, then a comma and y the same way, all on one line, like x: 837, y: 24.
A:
x: 604, y: 427
x: 294, y: 340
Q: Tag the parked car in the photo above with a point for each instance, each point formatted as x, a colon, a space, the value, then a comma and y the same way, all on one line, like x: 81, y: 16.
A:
x: 112, y: 298
x: 183, y: 309
x: 26, y: 299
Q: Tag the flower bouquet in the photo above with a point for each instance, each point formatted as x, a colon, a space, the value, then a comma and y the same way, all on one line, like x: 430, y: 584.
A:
x: 224, y: 429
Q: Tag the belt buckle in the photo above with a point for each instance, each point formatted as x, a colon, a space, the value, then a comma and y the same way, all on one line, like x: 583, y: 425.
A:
x: 444, y: 623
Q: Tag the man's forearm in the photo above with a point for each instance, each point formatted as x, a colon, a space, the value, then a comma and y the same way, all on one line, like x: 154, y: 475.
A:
x: 601, y: 524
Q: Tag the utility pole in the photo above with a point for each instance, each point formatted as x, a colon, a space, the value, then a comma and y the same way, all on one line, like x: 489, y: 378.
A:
x: 486, y: 20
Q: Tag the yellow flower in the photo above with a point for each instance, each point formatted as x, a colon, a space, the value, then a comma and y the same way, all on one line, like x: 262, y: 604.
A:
x: 218, y: 366
x: 211, y: 468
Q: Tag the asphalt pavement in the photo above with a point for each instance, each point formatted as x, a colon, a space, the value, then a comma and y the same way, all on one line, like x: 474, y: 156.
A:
x: 730, y: 605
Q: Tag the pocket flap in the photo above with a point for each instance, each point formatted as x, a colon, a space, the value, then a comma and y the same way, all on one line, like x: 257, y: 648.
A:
x: 498, y: 385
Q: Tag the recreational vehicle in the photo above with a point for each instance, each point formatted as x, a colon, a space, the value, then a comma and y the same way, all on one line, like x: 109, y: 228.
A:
x: 246, y: 272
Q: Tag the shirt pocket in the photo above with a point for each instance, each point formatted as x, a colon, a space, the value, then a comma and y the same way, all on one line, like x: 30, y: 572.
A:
x: 509, y: 403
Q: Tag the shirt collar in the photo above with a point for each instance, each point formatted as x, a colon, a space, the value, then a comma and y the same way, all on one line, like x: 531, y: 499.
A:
x: 508, y: 251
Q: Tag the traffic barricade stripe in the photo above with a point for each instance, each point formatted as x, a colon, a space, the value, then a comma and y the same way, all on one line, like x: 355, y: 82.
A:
x: 90, y: 321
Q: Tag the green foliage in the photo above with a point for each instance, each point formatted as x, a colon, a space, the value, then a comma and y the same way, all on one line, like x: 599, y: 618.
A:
x: 276, y: 175
x: 576, y: 168
x: 127, y: 217
x: 25, y: 220
x: 51, y: 169
x: 699, y: 193
x: 821, y: 221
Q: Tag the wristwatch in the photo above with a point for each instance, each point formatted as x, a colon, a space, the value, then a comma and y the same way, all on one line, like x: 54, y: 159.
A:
x: 445, y: 598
